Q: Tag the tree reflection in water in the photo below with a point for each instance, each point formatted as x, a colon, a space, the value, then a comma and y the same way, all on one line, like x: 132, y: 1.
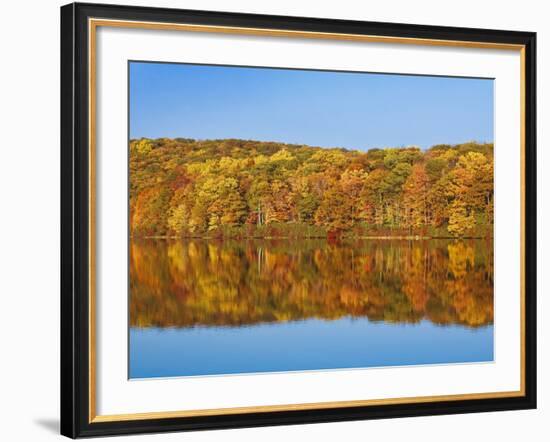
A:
x: 186, y: 283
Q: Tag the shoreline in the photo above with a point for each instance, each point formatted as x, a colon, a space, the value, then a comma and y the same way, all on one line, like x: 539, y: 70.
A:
x: 368, y: 237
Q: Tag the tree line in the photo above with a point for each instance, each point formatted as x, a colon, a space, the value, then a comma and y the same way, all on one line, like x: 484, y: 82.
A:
x: 242, y: 188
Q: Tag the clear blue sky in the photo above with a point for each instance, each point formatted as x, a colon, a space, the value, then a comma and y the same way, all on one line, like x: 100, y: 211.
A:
x: 330, y: 109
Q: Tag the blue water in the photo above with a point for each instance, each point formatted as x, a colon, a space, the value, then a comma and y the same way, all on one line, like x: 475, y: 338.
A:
x: 312, y: 344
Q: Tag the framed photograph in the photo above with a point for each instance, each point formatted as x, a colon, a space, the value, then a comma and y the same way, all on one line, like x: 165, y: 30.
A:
x: 274, y: 220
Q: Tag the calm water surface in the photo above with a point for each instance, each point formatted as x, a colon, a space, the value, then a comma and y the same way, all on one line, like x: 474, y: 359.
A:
x: 203, y: 307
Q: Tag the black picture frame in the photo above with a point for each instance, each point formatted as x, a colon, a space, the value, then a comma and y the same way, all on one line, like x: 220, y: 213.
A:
x: 75, y: 220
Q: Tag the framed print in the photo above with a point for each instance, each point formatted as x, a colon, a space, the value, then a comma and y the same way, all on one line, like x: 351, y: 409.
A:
x: 274, y: 220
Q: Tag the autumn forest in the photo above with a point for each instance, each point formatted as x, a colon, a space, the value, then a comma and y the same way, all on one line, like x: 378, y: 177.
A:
x: 309, y: 220
x: 250, y: 189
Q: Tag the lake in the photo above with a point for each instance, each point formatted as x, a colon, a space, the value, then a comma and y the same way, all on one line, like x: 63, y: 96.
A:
x: 206, y: 307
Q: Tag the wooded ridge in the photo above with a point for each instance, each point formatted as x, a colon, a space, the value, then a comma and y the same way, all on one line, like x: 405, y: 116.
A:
x: 242, y: 188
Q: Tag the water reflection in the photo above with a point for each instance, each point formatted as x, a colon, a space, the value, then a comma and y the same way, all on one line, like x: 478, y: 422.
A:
x: 236, y: 283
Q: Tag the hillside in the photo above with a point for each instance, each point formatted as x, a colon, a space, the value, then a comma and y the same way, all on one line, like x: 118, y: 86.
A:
x: 238, y: 188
